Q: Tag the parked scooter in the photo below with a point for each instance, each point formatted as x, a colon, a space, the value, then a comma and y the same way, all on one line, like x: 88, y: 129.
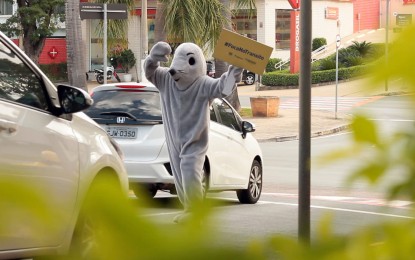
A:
x: 99, y: 74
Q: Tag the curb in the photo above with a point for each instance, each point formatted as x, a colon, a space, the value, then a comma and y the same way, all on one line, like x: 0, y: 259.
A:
x: 296, y: 137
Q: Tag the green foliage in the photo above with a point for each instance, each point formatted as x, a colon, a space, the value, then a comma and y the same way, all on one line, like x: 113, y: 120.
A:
x: 325, y: 64
x: 318, y: 42
x: 287, y: 79
x: 271, y: 64
x: 280, y: 79
x: 55, y: 71
x: 126, y: 60
x: 346, y: 56
x: 362, y: 47
x: 38, y: 19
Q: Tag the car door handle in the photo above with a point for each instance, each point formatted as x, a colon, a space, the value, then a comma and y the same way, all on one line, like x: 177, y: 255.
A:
x: 7, y: 127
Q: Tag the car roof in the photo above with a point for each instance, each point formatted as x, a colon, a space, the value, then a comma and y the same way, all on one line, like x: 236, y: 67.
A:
x: 147, y: 86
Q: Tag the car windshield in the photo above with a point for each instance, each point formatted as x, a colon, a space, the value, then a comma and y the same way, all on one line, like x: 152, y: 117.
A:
x: 135, y: 105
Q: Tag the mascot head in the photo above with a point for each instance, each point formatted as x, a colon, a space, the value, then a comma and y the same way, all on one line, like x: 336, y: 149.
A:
x: 188, y: 65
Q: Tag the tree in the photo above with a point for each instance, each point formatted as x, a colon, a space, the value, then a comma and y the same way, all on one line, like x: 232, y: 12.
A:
x: 35, y: 20
x: 75, y: 49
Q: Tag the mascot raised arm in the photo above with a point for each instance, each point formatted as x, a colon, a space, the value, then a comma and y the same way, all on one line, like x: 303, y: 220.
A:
x: 186, y: 93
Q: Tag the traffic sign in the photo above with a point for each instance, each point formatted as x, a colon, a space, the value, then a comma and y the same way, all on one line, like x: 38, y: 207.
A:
x: 96, y: 11
x: 337, y: 41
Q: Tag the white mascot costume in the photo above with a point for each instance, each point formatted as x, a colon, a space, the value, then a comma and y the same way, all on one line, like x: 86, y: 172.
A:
x: 186, y: 94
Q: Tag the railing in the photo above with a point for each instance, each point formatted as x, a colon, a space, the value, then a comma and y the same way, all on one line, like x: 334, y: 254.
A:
x: 281, y: 63
x: 317, y: 52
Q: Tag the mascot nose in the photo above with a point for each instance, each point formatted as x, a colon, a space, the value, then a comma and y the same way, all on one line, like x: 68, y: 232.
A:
x: 172, y: 72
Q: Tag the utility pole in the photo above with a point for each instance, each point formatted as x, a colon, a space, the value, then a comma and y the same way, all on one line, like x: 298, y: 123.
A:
x: 305, y: 123
x: 387, y: 41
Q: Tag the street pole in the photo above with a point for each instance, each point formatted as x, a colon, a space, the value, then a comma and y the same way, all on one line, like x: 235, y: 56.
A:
x: 105, y: 43
x: 387, y: 42
x: 144, y: 36
x: 337, y: 72
x: 305, y: 123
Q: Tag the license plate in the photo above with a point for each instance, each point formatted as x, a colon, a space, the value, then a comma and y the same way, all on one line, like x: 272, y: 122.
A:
x: 121, y: 132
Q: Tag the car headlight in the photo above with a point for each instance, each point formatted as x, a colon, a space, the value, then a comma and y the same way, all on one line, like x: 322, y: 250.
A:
x: 116, y: 147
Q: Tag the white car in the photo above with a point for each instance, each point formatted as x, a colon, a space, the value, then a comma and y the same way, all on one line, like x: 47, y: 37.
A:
x: 51, y: 150
x: 131, y: 114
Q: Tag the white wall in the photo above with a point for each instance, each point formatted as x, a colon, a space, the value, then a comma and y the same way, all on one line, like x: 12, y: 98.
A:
x: 321, y: 27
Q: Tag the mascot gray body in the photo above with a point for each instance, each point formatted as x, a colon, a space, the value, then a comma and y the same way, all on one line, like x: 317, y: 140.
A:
x: 186, y: 94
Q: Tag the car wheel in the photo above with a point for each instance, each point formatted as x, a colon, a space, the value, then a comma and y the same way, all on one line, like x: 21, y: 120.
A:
x: 250, y: 79
x: 84, y: 244
x: 252, y: 194
x: 140, y: 190
x: 205, y: 182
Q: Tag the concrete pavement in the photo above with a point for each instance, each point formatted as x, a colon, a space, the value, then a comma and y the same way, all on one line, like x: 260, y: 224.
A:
x: 285, y: 126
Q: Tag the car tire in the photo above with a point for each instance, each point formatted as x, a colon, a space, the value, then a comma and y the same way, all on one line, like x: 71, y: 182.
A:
x: 253, y: 192
x: 249, y: 79
x: 147, y: 190
x: 84, y: 239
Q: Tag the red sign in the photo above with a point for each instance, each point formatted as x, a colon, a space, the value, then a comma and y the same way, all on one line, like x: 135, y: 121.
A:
x: 332, y: 13
x: 408, y: 2
x: 53, y: 52
x: 295, y: 42
x: 295, y: 4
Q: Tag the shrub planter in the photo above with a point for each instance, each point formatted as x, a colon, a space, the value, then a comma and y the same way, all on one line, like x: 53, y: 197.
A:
x: 265, y: 106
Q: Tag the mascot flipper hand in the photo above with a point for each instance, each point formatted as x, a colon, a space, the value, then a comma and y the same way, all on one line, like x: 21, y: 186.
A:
x: 160, y: 51
x: 234, y: 75
x: 186, y: 93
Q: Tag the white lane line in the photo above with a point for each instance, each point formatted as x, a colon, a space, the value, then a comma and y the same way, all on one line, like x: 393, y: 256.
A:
x: 261, y: 202
x: 392, y: 120
x: 345, y: 210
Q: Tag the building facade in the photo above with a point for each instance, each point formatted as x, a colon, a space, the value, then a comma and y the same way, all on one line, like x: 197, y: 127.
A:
x: 271, y: 25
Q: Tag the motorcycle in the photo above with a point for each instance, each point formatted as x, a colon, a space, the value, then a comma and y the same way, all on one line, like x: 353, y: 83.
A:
x: 99, y: 74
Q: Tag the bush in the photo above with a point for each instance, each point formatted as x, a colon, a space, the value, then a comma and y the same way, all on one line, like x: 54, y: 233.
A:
x: 348, y: 55
x: 55, y: 71
x: 362, y: 47
x: 325, y: 64
x: 318, y: 42
x: 271, y: 64
x: 280, y: 79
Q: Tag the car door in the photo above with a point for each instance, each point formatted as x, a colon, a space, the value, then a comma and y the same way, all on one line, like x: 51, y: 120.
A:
x: 38, y: 159
x: 231, y: 161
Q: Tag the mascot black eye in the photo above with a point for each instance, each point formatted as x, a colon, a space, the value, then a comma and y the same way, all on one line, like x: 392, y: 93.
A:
x: 192, y: 61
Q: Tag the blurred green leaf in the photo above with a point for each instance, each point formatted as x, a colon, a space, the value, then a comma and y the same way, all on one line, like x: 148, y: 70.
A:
x: 364, y: 130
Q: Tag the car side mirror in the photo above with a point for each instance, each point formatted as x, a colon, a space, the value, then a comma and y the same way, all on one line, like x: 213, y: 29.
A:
x: 247, y: 127
x: 72, y: 99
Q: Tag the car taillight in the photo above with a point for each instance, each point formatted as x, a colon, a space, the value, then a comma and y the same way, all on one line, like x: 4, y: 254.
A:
x: 130, y: 86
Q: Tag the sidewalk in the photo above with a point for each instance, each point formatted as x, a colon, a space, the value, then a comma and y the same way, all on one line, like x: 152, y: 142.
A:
x: 285, y: 126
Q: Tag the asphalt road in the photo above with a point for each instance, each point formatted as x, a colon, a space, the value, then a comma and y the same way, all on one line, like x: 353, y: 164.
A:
x: 352, y: 207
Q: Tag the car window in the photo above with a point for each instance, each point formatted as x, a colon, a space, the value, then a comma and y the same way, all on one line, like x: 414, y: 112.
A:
x: 142, y: 105
x: 18, y: 83
x: 213, y: 114
x: 227, y: 115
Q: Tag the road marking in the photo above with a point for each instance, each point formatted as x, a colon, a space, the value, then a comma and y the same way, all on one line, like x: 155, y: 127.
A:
x: 392, y: 120
x: 341, y: 209
x: 329, y: 103
x: 402, y: 204
x: 262, y: 202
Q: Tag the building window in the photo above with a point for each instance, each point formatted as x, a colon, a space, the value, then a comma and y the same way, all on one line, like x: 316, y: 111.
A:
x: 6, y: 7
x: 245, y: 24
x: 282, y: 29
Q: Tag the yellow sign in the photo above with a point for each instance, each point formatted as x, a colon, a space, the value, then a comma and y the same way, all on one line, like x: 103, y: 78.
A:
x: 243, y: 52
